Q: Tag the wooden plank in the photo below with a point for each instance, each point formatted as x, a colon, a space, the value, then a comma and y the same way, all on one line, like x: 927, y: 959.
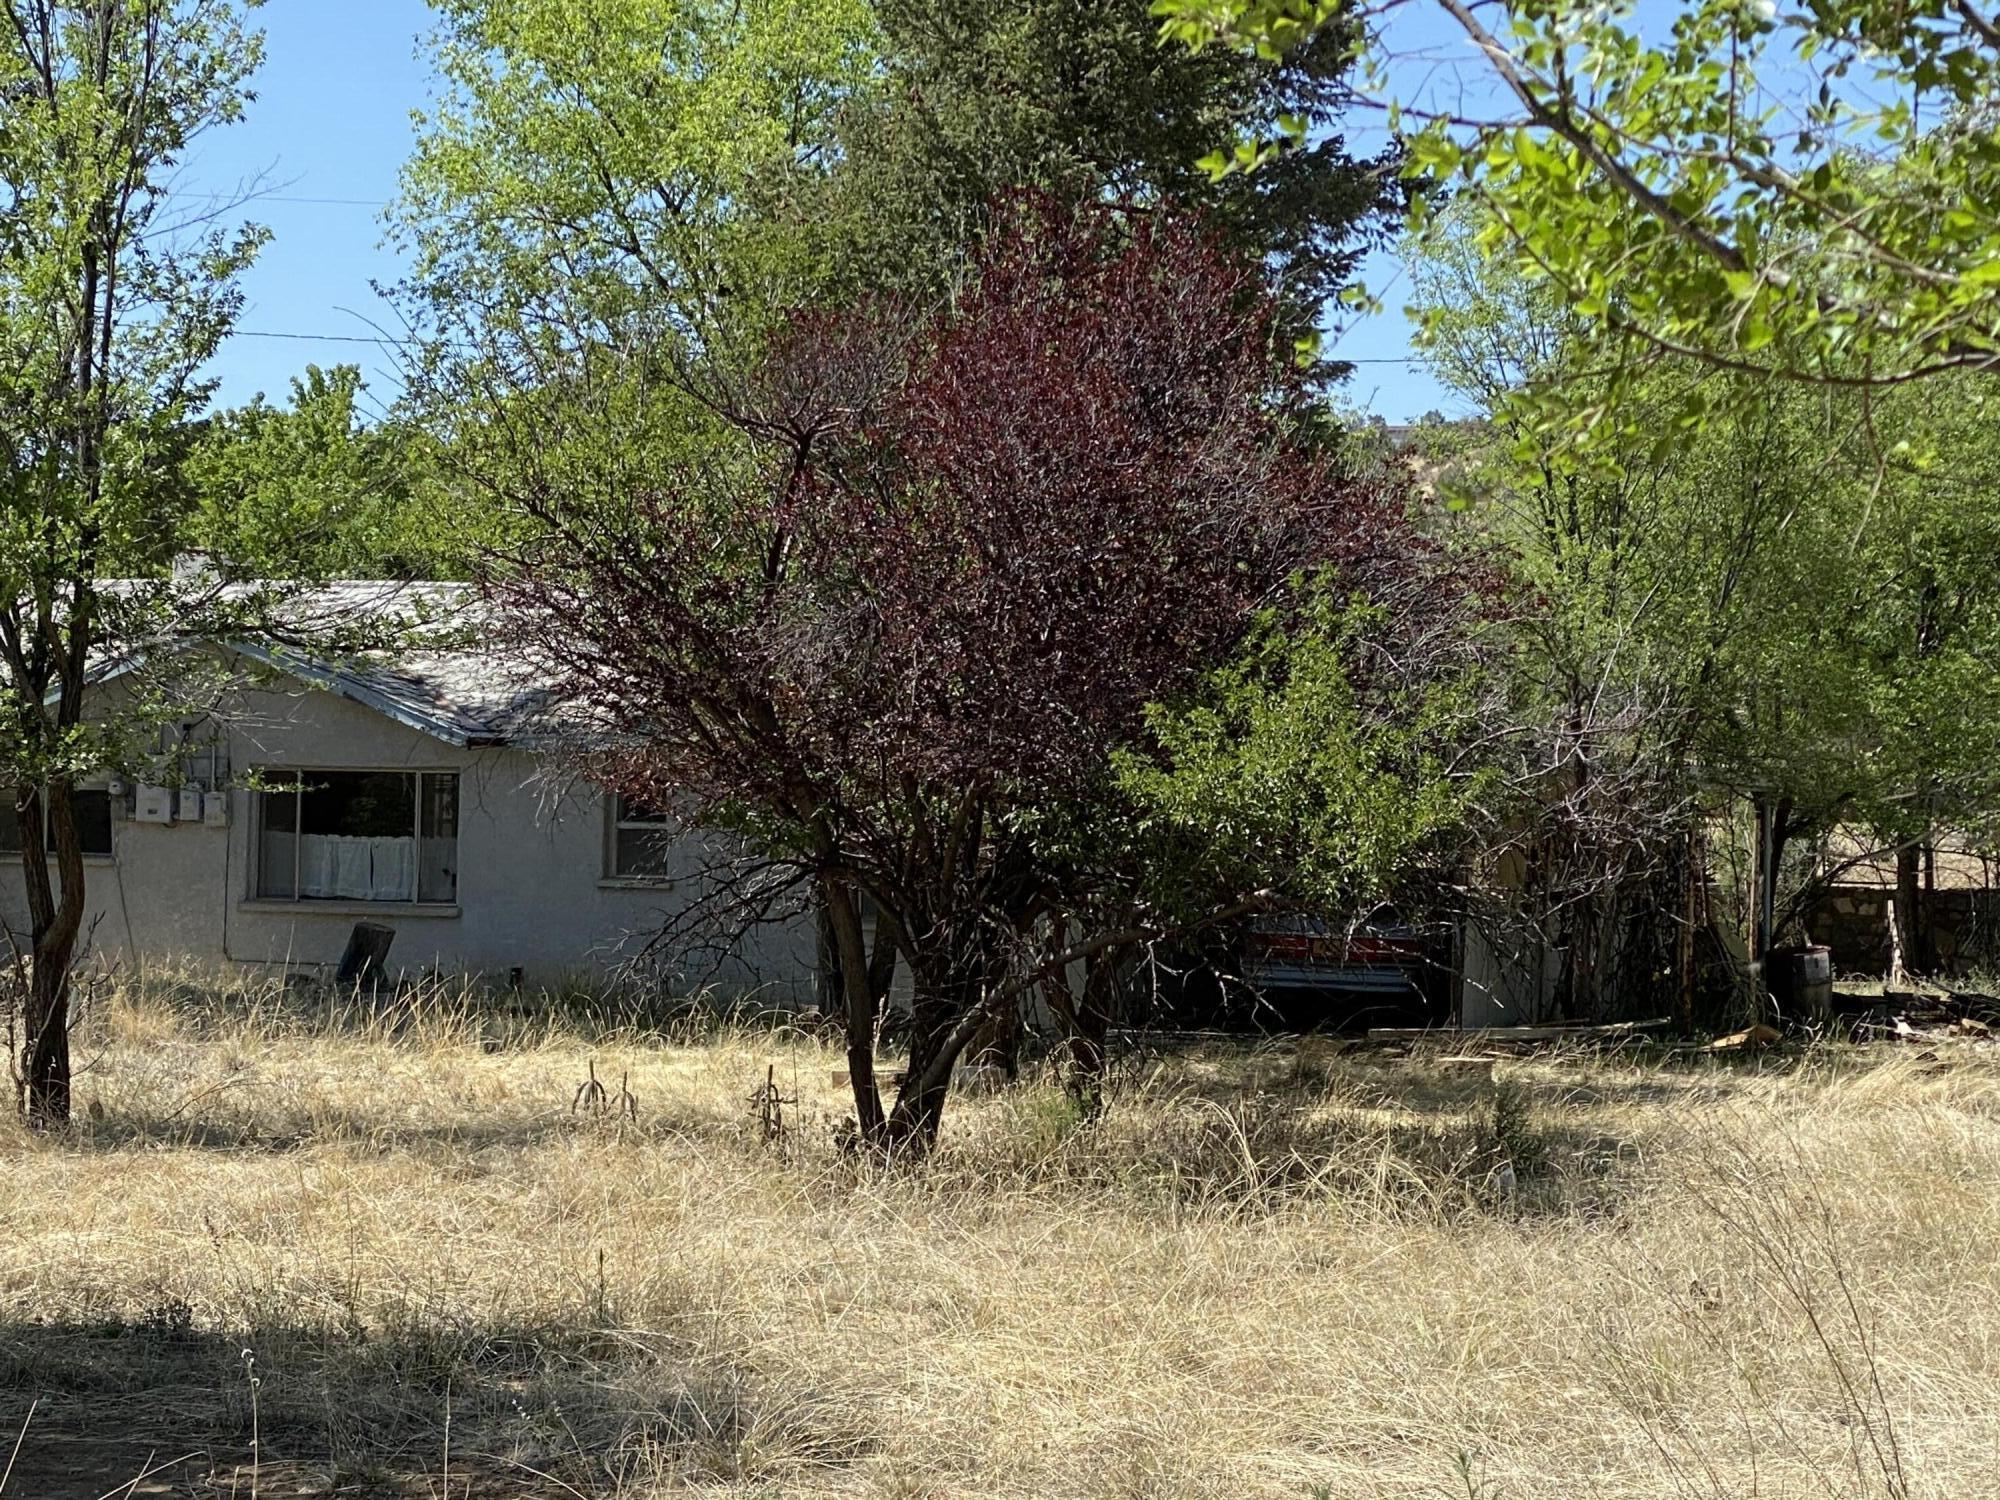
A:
x: 1518, y: 1033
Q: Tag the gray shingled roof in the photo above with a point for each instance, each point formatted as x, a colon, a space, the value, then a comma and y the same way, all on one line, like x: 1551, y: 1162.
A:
x: 449, y: 682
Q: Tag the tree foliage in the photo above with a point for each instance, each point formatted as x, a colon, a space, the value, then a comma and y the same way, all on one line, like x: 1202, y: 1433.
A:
x: 1080, y: 101
x: 626, y: 171
x: 1785, y: 600
x: 1803, y: 192
x: 313, y: 490
x: 607, y: 192
x: 110, y: 303
x: 1297, y: 769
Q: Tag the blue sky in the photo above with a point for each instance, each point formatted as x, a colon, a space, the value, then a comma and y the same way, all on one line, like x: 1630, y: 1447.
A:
x: 331, y: 124
x: 325, y: 140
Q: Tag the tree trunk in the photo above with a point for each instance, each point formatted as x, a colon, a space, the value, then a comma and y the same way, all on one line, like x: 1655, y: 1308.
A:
x: 56, y: 916
x: 829, y: 987
x: 45, y: 1064
x: 1914, y: 952
x: 998, y: 1042
x: 882, y: 959
x: 1692, y: 877
x: 1089, y: 1055
x: 1927, y: 908
x: 843, y: 919
x: 919, y: 1112
x: 947, y: 987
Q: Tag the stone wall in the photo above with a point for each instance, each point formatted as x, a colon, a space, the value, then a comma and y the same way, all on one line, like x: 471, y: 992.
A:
x: 1854, y: 922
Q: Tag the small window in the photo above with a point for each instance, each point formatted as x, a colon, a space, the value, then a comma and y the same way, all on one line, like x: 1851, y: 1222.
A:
x: 642, y: 841
x: 10, y: 823
x: 90, y: 807
x: 387, y: 836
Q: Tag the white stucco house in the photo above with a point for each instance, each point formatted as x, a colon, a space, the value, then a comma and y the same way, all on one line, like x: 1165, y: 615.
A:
x: 415, y: 794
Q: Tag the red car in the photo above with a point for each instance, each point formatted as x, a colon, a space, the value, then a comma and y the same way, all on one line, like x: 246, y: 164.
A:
x: 1311, y: 970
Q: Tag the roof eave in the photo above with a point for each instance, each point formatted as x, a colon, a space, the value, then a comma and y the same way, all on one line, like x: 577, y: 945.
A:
x: 344, y: 685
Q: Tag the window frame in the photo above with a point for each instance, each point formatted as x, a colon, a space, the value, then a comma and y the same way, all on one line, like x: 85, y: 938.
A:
x: 290, y: 781
x: 615, y: 824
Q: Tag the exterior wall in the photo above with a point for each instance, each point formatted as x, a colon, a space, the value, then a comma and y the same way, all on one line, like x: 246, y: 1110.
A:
x: 1504, y: 986
x: 532, y: 887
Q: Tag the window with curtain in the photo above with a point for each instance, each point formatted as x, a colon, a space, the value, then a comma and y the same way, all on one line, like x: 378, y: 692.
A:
x: 386, y: 836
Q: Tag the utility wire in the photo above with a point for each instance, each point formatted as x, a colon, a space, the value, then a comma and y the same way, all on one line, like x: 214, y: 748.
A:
x: 321, y: 338
x: 359, y: 338
x: 246, y: 199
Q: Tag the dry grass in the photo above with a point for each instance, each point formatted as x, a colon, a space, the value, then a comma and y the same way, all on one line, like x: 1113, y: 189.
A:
x: 1262, y: 1275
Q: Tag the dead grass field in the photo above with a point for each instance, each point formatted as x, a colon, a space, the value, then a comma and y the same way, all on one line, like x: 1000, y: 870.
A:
x: 388, y: 1255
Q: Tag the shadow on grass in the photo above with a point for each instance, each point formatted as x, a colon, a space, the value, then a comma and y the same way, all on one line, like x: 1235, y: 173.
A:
x: 533, y: 1411
x: 1447, y: 1078
x: 119, y: 1129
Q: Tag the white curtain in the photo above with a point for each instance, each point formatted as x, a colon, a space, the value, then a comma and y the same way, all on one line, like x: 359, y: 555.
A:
x: 393, y: 868
x: 337, y: 867
x: 319, y: 866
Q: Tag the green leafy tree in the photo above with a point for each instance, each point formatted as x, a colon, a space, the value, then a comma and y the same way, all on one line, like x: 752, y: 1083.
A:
x: 312, y: 490
x: 626, y: 173
x: 1295, y: 770
x: 1685, y: 208
x: 1776, y: 600
x: 110, y: 303
x: 1806, y: 192
x: 608, y: 194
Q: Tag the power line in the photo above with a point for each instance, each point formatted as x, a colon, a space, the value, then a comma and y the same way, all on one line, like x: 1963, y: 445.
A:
x: 359, y: 338
x: 248, y: 198
x: 320, y: 338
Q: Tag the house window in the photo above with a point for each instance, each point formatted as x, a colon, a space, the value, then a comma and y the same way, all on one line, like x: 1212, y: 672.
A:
x: 90, y: 808
x: 642, y: 841
x: 388, y: 836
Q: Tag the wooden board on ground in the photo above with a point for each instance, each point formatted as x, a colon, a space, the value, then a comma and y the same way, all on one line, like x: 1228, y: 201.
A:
x: 1612, y: 1032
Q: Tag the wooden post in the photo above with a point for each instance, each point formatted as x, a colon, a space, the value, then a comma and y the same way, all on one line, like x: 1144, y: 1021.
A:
x: 1691, y: 879
x: 1767, y: 887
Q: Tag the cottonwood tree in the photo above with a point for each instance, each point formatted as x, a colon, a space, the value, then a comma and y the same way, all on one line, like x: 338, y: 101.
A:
x: 1899, y: 629
x: 604, y: 192
x: 946, y: 568
x: 315, y: 489
x: 1801, y: 191
x: 111, y: 299
x: 621, y: 172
